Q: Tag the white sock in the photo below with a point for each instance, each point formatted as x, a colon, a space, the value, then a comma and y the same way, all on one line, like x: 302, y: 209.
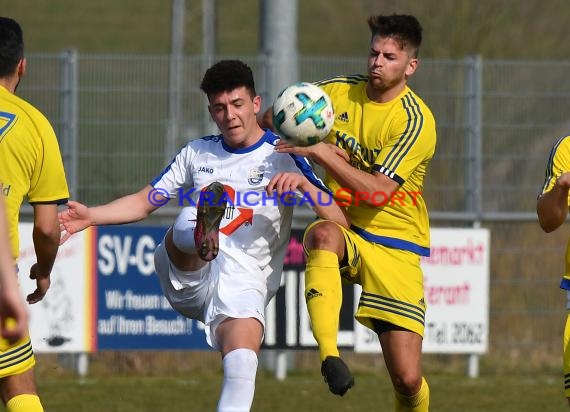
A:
x: 240, y: 367
x: 183, y: 230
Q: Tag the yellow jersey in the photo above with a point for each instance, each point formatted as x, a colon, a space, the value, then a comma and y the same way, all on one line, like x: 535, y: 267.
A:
x: 397, y: 139
x: 30, y: 160
x: 558, y: 163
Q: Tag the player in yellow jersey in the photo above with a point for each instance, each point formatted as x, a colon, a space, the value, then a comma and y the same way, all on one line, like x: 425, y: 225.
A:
x: 552, y: 209
x: 30, y: 167
x: 389, y: 135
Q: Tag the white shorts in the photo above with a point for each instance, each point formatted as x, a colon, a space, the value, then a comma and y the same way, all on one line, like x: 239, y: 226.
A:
x: 225, y: 288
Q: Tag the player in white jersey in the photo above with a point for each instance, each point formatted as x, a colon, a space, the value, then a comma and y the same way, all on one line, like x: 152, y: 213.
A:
x: 254, y: 228
x: 221, y: 261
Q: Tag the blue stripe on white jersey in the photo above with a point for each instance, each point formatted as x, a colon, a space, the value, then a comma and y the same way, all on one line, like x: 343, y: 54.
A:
x: 268, y: 137
x: 215, y: 138
x: 164, y: 171
x: 305, y: 167
x: 301, y: 162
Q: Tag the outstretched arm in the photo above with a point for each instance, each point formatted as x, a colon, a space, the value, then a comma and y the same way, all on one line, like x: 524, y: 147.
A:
x: 126, y: 209
x: 335, y: 161
x: 322, y: 202
x: 552, y: 206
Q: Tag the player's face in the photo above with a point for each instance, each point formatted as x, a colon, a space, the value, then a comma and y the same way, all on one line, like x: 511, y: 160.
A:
x: 234, y: 113
x: 389, y: 66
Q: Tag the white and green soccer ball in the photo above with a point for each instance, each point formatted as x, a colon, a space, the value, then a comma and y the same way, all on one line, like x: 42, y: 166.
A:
x: 303, y: 114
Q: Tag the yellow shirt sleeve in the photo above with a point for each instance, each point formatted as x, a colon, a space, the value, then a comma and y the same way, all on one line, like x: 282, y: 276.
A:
x: 48, y: 183
x: 409, y: 143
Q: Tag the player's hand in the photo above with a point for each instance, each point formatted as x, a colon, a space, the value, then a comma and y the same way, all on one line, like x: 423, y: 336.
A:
x: 282, y: 146
x: 313, y: 152
x: 73, y: 220
x: 13, y: 314
x: 285, y: 183
x: 43, y: 283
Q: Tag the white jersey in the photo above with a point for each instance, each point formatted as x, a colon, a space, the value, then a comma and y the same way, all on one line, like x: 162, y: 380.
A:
x: 255, y: 229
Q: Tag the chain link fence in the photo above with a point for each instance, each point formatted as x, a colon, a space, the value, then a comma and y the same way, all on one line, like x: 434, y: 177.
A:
x: 496, y: 122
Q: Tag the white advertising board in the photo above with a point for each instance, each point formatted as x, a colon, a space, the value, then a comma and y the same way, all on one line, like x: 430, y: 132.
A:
x: 62, y: 321
x: 456, y: 283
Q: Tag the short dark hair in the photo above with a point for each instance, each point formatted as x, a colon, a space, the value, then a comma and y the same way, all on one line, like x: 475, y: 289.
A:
x: 228, y: 75
x: 403, y: 28
x: 11, y: 46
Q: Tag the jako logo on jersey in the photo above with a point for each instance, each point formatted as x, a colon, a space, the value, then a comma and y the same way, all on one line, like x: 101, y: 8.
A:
x: 313, y: 293
x: 256, y: 175
x: 206, y: 169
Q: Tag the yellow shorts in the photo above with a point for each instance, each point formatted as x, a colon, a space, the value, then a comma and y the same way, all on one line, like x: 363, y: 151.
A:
x: 391, y: 280
x: 16, y: 358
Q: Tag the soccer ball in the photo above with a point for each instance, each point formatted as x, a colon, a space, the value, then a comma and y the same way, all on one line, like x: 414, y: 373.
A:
x: 303, y: 114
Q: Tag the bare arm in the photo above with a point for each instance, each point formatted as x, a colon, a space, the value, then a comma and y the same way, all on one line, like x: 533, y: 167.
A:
x: 347, y: 176
x: 356, y: 180
x: 46, y: 243
x: 323, y: 204
x: 552, y: 206
x: 46, y: 237
x: 126, y: 209
x: 337, y: 165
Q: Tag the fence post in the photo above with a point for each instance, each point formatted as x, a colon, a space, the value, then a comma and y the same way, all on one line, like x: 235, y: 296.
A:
x: 69, y: 111
x: 209, y: 42
x: 175, y: 79
x: 474, y: 156
x: 473, y: 365
x: 278, y: 46
x: 473, y: 135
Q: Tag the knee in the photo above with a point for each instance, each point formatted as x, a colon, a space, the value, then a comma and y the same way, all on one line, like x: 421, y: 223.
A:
x: 408, y: 383
x: 240, y: 364
x: 325, y: 235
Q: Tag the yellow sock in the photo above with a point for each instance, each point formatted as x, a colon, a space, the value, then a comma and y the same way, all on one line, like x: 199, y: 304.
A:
x: 323, y: 294
x: 24, y: 403
x: 415, y: 403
